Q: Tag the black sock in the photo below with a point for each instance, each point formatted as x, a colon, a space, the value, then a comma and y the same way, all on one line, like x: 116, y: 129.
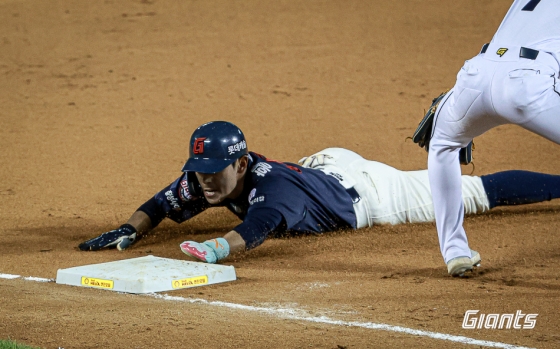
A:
x: 520, y: 187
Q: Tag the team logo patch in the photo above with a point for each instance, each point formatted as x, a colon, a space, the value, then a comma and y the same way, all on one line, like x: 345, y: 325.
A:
x: 237, y: 147
x: 198, y: 146
x: 184, y: 192
x: 256, y: 199
x: 261, y: 169
x: 501, y: 51
x: 252, y: 194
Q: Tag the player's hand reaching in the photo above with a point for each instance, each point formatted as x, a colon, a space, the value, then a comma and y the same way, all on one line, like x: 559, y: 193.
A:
x: 209, y: 251
x: 120, y: 238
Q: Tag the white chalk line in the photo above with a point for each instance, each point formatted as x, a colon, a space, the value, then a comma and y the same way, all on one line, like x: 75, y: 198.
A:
x: 28, y: 278
x: 298, y: 314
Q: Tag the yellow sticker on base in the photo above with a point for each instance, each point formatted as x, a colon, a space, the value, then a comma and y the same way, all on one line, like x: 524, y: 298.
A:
x: 190, y: 282
x: 94, y: 282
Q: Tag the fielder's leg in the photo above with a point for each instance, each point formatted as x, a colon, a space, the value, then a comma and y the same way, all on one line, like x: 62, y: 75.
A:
x: 444, y: 172
x: 466, y: 112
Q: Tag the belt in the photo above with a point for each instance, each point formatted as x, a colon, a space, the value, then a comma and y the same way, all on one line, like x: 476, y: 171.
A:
x: 354, y: 195
x: 524, y: 52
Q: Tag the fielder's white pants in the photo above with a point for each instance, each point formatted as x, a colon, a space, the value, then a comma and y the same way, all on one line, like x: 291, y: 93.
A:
x: 490, y: 91
x: 390, y: 196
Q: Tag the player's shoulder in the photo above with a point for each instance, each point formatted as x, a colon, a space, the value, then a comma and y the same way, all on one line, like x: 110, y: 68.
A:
x: 261, y: 166
x: 263, y: 169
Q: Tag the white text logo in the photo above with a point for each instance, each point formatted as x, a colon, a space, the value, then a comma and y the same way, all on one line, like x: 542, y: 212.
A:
x: 237, y: 147
x: 499, y: 321
x: 172, y: 200
x: 261, y: 169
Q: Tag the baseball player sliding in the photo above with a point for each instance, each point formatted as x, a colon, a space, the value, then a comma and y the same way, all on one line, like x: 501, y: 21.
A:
x: 333, y: 189
x: 514, y: 80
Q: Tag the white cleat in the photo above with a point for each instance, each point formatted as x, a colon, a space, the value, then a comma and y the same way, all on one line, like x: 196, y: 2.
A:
x: 460, y: 265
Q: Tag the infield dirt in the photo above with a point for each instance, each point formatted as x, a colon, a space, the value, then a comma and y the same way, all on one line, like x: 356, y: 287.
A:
x: 99, y: 99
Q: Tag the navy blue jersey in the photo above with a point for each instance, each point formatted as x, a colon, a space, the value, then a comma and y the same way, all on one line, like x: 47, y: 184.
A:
x: 277, y: 197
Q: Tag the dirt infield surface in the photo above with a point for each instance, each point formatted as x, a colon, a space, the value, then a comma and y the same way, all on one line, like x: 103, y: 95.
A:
x: 99, y: 99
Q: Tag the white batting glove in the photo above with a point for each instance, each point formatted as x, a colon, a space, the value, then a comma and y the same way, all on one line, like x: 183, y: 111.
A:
x: 315, y: 160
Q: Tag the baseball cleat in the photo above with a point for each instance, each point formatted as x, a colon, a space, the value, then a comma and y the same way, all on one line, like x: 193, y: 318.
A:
x: 460, y: 265
x: 475, y: 258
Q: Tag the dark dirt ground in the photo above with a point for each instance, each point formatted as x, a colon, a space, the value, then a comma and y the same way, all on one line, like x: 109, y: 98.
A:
x: 100, y: 98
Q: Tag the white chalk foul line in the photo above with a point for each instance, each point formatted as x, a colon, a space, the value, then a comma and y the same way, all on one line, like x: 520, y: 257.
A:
x: 298, y: 314
x: 28, y: 278
x: 295, y: 314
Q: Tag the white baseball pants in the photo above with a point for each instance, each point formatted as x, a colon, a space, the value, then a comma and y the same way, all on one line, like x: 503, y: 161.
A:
x: 490, y: 91
x: 390, y: 196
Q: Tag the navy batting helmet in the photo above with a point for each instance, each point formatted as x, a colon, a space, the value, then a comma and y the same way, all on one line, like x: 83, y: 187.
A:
x: 214, y: 146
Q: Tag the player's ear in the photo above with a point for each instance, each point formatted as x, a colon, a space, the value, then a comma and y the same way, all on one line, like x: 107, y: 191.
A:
x: 242, y: 164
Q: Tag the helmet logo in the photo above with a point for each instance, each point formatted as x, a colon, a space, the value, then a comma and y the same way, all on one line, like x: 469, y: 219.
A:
x: 198, y: 146
x: 237, y: 147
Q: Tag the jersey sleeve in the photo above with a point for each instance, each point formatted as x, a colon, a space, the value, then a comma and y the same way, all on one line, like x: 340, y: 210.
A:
x: 177, y: 202
x: 274, y: 207
x: 258, y: 224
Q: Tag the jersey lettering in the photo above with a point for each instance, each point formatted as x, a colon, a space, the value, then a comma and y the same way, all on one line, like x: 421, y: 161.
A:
x: 338, y: 176
x: 256, y: 199
x: 172, y: 200
x: 237, y: 147
x: 261, y: 169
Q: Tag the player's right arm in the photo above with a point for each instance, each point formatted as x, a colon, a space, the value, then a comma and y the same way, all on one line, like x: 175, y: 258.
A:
x: 271, y: 208
x: 179, y: 201
x: 247, y: 235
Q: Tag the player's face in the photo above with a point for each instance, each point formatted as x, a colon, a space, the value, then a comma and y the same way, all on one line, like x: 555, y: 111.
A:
x: 225, y: 184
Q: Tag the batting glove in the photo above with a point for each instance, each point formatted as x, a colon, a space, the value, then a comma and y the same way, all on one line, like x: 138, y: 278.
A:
x: 120, y: 238
x: 314, y: 160
x: 209, y: 251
